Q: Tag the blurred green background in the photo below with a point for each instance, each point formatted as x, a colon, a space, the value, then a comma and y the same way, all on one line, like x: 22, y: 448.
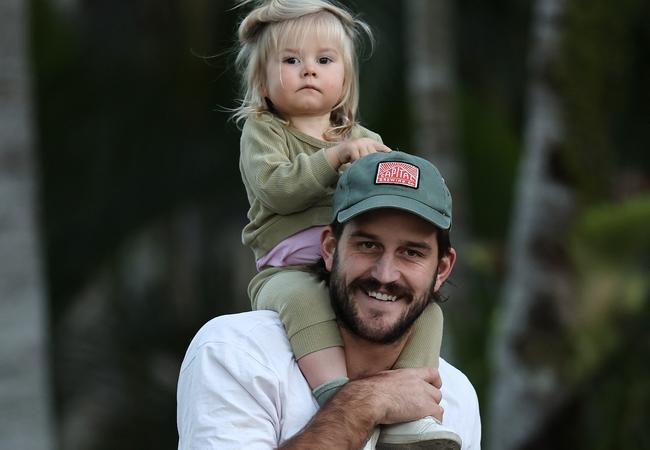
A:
x: 536, y: 111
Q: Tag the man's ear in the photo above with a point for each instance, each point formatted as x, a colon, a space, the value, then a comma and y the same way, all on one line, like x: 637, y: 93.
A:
x: 445, y: 266
x: 328, y: 247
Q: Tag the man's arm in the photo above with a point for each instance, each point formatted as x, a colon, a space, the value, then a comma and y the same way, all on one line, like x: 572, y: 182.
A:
x: 237, y: 390
x: 389, y: 397
x: 226, y: 401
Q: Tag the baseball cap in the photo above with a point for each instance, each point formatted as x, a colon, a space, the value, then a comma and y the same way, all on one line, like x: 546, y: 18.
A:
x: 393, y: 180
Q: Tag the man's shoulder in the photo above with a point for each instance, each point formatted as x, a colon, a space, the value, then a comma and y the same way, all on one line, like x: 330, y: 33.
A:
x: 238, y: 324
x: 454, y: 374
x: 258, y: 332
x: 456, y: 381
x: 461, y: 405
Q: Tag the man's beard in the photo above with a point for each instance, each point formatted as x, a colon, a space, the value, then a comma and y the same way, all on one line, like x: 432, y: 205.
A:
x: 348, y: 316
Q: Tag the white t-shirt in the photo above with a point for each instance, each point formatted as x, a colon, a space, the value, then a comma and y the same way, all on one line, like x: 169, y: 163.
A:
x: 240, y: 388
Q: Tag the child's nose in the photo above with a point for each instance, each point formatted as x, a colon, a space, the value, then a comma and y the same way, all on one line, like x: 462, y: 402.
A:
x: 309, y: 70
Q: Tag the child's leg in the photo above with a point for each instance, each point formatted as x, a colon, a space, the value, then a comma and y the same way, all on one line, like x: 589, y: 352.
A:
x: 304, y: 308
x: 423, y: 346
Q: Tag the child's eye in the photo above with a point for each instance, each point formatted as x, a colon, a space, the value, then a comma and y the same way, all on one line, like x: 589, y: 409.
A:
x: 291, y: 60
x: 324, y: 60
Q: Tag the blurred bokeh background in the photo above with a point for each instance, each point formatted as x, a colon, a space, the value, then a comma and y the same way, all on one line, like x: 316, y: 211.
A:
x: 121, y: 207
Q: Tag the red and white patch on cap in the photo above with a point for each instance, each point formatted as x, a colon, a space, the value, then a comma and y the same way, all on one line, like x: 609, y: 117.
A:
x: 397, y: 172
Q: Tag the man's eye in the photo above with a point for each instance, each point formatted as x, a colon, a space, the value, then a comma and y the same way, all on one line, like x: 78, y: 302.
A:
x: 413, y: 253
x: 367, y: 245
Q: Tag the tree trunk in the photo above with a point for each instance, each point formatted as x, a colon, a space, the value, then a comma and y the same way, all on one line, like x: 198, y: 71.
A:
x: 431, y: 90
x: 24, y: 378
x: 528, y: 347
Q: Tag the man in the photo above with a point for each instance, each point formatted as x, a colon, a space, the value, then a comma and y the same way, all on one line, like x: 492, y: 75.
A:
x: 384, y: 257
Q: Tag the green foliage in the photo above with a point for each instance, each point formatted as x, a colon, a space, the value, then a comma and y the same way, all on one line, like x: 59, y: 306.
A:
x: 614, y: 401
x: 490, y: 149
x: 617, y: 233
x: 127, y: 128
x: 128, y: 135
x: 55, y: 46
x: 594, y: 73
x: 610, y: 246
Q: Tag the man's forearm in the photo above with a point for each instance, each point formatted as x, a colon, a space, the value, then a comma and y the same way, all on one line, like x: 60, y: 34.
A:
x: 389, y: 397
x: 343, y: 423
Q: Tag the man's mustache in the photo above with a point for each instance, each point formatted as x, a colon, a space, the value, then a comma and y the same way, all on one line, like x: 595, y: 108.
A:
x: 372, y: 284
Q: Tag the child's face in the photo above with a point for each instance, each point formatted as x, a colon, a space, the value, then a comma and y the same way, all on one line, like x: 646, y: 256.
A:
x: 306, y: 79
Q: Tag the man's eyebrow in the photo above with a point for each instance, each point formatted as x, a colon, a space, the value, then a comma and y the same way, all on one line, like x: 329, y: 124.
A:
x: 412, y: 244
x: 363, y: 234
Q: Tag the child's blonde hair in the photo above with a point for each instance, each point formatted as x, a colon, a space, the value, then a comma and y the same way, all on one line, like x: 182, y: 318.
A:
x: 274, y: 23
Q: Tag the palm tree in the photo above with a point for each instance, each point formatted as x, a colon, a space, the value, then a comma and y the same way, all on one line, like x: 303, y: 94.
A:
x: 24, y: 392
x: 431, y: 93
x: 527, y: 385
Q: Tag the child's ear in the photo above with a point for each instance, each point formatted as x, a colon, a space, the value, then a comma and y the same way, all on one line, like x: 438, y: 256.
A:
x: 328, y: 247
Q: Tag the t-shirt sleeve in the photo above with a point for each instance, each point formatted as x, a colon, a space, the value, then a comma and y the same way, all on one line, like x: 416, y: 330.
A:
x: 227, y: 400
x: 473, y: 423
x: 461, y: 406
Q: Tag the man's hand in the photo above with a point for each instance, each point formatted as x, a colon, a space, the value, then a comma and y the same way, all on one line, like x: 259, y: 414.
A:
x: 351, y: 150
x: 403, y: 395
x: 389, y: 397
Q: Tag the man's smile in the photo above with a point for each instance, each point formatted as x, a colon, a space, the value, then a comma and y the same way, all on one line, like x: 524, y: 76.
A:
x: 375, y: 290
x: 382, y: 297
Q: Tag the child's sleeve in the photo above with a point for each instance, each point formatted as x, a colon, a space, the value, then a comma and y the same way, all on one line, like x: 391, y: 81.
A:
x: 364, y: 132
x: 284, y: 183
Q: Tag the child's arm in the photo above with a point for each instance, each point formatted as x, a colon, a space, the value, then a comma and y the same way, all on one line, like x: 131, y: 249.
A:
x: 349, y: 151
x: 285, y: 180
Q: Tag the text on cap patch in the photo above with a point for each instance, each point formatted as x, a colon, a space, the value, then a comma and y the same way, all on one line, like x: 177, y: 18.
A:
x: 396, y: 172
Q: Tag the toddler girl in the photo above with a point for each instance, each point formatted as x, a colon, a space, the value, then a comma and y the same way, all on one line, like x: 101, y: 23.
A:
x: 299, y: 108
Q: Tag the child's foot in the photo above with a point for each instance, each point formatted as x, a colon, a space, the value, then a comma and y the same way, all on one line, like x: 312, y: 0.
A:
x: 423, y: 434
x: 372, y: 440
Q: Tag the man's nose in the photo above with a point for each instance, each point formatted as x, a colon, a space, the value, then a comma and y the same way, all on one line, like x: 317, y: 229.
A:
x: 385, y: 269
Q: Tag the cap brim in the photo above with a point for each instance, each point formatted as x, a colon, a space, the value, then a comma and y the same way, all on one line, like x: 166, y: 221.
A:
x: 395, y: 202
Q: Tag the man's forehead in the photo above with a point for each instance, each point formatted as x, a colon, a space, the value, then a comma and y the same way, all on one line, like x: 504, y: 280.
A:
x: 392, y: 222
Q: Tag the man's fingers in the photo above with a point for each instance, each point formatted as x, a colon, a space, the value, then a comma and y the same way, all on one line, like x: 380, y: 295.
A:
x: 410, y: 393
x: 438, y: 412
x: 437, y: 395
x: 431, y: 376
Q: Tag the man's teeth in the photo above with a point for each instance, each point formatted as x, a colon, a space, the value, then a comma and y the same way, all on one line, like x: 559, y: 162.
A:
x: 383, y: 297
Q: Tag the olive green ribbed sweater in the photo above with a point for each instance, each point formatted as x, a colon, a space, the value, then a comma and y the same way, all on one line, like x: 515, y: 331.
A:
x: 288, y: 181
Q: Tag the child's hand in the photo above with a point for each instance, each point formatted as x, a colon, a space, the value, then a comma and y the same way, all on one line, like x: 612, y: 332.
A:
x: 348, y: 151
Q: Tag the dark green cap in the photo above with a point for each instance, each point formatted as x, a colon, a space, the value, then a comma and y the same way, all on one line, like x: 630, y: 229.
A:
x: 393, y: 180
